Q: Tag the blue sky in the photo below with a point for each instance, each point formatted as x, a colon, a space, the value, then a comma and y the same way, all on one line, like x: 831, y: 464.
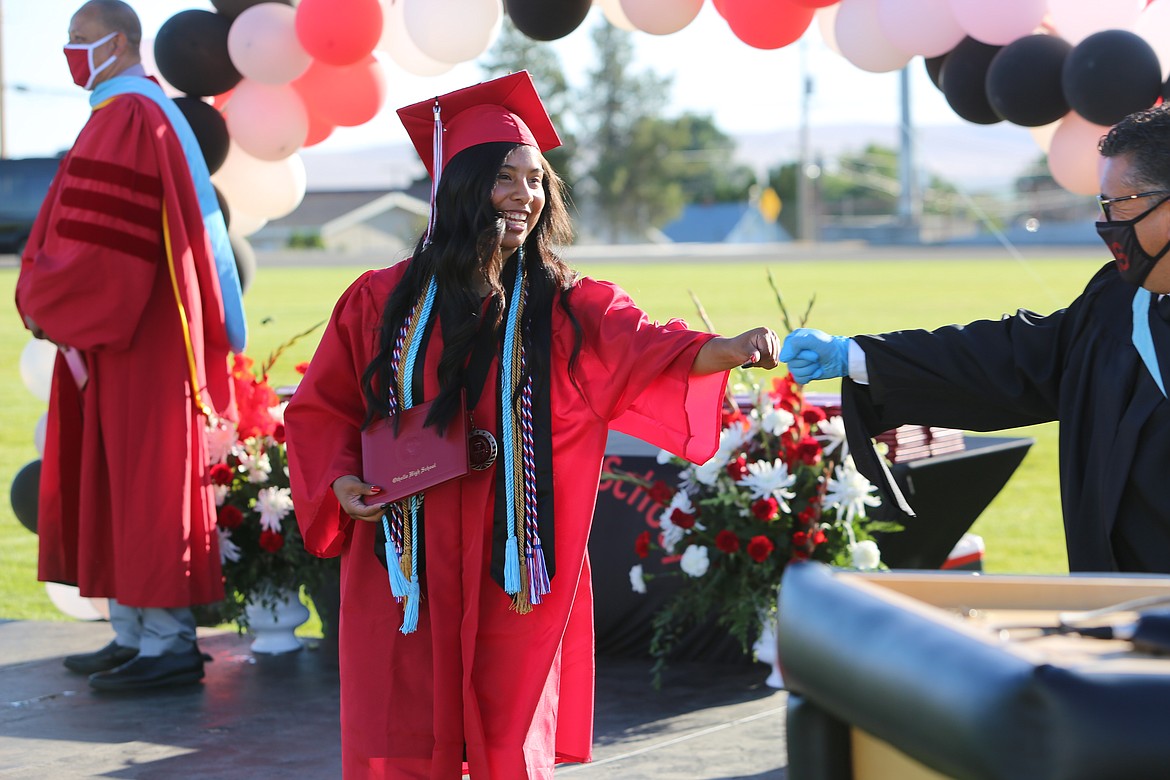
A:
x: 746, y: 89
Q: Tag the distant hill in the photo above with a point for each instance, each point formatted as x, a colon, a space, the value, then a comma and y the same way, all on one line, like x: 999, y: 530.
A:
x: 973, y: 157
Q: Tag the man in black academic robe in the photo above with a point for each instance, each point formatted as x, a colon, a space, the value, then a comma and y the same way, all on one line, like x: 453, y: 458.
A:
x: 1101, y: 367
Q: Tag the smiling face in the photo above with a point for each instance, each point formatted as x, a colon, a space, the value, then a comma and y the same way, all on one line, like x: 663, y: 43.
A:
x: 518, y: 195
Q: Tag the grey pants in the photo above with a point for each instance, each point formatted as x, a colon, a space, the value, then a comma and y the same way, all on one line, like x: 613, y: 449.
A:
x: 153, y: 630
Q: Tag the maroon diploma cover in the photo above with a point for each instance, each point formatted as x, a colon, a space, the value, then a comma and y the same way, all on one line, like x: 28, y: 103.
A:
x: 416, y: 459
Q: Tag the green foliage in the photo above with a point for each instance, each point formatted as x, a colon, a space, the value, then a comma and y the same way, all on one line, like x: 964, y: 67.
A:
x: 305, y: 240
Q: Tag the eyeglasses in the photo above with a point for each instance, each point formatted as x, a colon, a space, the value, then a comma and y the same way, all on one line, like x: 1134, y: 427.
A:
x: 1107, y: 203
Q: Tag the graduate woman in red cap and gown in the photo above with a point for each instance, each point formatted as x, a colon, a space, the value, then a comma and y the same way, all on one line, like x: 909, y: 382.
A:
x: 467, y: 617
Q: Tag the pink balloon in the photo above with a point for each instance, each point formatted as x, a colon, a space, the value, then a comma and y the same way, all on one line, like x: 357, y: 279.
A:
x: 934, y: 31
x: 263, y: 45
x: 1075, y: 20
x: 767, y: 24
x: 339, y: 32
x: 999, y: 22
x: 661, y: 18
x: 267, y: 122
x: 1073, y: 159
x: 1153, y: 24
x: 861, y: 41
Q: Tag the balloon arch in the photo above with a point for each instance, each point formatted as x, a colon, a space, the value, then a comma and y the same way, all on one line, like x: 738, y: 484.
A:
x: 261, y: 80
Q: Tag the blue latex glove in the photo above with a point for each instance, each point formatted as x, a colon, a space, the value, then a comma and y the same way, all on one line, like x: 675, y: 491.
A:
x: 814, y: 354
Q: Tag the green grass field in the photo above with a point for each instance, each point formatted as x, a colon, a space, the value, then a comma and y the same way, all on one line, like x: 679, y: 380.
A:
x: 1022, y: 527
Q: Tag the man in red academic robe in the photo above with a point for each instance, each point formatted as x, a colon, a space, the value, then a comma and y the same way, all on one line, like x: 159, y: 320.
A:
x: 120, y: 273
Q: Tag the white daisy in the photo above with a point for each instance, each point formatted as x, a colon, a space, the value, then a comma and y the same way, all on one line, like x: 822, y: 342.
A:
x: 850, y: 492
x: 256, y: 466
x: 777, y: 421
x: 219, y: 439
x: 228, y: 551
x: 769, y: 479
x: 866, y: 554
x: 273, y: 504
x: 832, y: 435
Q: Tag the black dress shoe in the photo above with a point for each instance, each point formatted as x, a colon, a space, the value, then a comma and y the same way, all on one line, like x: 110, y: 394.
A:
x: 109, y: 657
x: 152, y: 671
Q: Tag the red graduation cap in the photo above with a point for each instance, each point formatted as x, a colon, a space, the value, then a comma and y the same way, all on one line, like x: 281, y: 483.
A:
x: 503, y: 109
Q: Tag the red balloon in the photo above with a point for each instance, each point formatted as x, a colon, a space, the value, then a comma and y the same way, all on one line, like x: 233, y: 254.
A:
x: 347, y: 96
x: 339, y: 32
x: 816, y: 3
x: 767, y: 24
x: 719, y: 7
x: 318, y: 131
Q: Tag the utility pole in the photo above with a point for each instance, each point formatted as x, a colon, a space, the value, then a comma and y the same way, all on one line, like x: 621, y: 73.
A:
x: 803, y: 184
x: 909, y: 200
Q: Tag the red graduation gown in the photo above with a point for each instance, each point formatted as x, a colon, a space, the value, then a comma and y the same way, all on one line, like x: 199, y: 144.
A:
x: 517, y: 689
x: 126, y: 506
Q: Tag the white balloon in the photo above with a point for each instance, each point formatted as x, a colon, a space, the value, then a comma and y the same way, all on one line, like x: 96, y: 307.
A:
x: 934, y: 30
x: 1043, y: 135
x: 39, y: 433
x: 1075, y: 20
x: 826, y: 17
x: 453, y: 30
x: 615, y: 15
x: 263, y: 45
x: 36, y: 367
x: 268, y: 122
x: 860, y: 39
x: 1153, y: 24
x: 999, y: 22
x: 244, y: 224
x: 268, y: 190
x: 661, y: 18
x: 69, y: 600
x: 397, y: 43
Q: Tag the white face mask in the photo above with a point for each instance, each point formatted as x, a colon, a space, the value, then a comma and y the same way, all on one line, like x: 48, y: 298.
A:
x: 80, y: 59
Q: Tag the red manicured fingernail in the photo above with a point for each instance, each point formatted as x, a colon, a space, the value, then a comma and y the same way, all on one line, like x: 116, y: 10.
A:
x: 375, y: 489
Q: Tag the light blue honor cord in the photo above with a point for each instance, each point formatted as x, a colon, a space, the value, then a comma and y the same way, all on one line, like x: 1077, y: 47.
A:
x: 511, y: 554
x: 1143, y: 341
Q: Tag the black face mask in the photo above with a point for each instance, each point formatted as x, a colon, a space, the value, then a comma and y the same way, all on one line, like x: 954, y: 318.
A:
x: 1120, y: 235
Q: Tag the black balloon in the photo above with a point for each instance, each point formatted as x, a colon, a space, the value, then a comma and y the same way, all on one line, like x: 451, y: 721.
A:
x: 245, y: 260
x: 25, y: 487
x: 223, y: 207
x: 547, y: 20
x: 210, y: 130
x: 191, y: 53
x: 964, y: 77
x: 1110, y: 75
x: 1024, y: 80
x: 934, y: 68
x: 230, y: 9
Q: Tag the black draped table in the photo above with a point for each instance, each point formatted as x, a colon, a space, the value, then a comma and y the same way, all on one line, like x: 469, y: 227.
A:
x: 932, y: 675
x: 948, y: 492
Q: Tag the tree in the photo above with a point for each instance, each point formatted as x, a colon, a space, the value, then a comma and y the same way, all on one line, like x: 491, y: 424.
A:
x: 707, y: 171
x: 627, y: 181
x: 515, y: 51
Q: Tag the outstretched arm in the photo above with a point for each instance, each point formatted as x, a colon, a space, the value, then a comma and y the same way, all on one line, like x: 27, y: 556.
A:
x: 756, y: 348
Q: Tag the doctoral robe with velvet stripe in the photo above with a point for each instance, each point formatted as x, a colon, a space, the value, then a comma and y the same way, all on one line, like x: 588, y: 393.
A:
x: 1078, y: 366
x: 126, y: 506
x: 517, y: 690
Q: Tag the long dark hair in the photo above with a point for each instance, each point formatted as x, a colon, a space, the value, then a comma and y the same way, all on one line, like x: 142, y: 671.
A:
x: 465, y: 241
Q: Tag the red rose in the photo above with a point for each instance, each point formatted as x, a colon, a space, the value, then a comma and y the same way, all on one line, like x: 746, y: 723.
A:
x: 813, y: 415
x: 642, y: 544
x: 732, y: 417
x: 800, y: 555
x: 660, y: 492
x: 302, y: 367
x: 682, y: 519
x: 221, y: 474
x: 799, y: 539
x: 808, y: 450
x: 819, y: 537
x: 727, y: 541
x: 278, y: 433
x: 759, y: 548
x: 271, y: 541
x: 737, y: 469
x: 229, y: 517
x: 766, y: 509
